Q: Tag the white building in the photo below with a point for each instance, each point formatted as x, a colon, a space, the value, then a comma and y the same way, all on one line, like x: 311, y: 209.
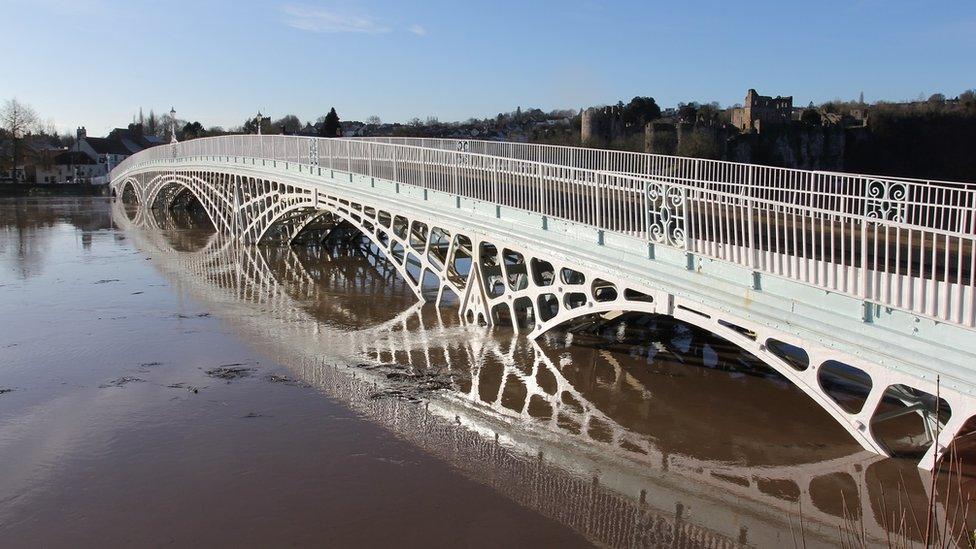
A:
x: 106, y: 152
x: 70, y: 167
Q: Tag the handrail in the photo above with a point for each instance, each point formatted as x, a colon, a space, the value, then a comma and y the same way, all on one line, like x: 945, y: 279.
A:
x: 566, y: 155
x: 899, y: 243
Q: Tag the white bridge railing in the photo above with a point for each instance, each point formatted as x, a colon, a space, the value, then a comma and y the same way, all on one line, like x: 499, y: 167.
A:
x: 902, y: 243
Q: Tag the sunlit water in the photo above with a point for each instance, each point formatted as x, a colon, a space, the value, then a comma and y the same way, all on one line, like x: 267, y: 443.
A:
x: 160, y: 384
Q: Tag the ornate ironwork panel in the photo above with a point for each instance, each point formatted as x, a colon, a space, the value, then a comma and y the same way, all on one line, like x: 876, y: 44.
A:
x: 665, y: 216
x: 886, y: 200
x: 313, y: 152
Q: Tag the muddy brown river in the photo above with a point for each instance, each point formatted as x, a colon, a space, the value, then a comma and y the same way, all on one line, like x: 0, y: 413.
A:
x: 163, y: 385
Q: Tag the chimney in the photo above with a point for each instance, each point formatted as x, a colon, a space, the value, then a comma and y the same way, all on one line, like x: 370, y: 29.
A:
x: 82, y: 133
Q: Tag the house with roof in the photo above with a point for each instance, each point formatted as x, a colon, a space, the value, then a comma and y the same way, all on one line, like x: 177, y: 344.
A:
x: 134, y: 138
x: 34, y: 150
x: 69, y: 167
x: 43, y: 159
x: 107, y: 152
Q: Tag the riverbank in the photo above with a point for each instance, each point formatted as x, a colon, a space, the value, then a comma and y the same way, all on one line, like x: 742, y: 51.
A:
x: 61, y: 189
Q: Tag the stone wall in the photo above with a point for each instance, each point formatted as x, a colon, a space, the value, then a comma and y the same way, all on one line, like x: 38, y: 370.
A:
x: 794, y: 146
x: 600, y: 124
x: 660, y: 138
x: 791, y: 146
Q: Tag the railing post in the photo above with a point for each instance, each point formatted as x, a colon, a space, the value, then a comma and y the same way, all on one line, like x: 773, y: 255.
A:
x: 864, y: 259
x: 423, y: 168
x: 751, y: 260
x: 599, y: 200
x: 686, y: 200
x: 540, y: 187
x: 457, y: 158
x: 396, y: 167
x: 686, y: 217
x: 369, y: 154
x: 494, y: 178
x: 863, y: 263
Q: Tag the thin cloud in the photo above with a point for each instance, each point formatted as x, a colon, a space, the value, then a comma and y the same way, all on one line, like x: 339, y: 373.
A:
x: 418, y: 30
x: 313, y: 19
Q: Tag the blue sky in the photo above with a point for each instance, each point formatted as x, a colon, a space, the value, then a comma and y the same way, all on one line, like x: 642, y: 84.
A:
x: 95, y: 62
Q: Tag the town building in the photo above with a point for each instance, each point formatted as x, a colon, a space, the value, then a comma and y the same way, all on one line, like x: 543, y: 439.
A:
x: 35, y: 150
x: 106, y: 151
x: 43, y: 159
x: 134, y: 138
x: 69, y: 167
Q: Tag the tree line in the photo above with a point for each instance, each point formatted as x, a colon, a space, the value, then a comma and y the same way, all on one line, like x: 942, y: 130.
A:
x: 327, y: 125
x: 19, y: 121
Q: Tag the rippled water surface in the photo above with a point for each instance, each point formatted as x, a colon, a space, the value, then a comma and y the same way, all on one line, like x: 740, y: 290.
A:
x: 160, y: 384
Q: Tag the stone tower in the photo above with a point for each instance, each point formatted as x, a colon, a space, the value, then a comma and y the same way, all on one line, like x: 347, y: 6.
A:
x: 600, y: 124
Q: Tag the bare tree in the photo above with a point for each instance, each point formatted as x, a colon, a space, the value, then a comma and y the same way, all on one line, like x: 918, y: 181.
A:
x: 165, y: 123
x: 48, y: 127
x: 17, y: 119
x: 373, y: 120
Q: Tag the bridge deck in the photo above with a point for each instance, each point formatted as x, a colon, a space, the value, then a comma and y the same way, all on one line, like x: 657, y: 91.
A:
x: 768, y: 235
x: 902, y: 243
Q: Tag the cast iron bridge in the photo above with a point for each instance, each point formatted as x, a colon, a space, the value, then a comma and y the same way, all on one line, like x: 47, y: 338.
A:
x: 859, y: 289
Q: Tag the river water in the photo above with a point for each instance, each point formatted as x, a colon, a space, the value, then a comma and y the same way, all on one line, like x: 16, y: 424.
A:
x: 160, y: 384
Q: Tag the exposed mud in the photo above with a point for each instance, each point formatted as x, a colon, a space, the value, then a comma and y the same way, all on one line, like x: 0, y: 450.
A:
x: 285, y: 380
x: 185, y: 386
x: 121, y: 382
x: 198, y: 315
x: 408, y: 384
x: 230, y: 372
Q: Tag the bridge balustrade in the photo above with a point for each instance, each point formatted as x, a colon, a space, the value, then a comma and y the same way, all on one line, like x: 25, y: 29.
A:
x: 895, y: 242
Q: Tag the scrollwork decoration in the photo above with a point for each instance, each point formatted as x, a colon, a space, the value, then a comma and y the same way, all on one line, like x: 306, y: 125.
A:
x: 313, y: 152
x: 666, y: 223
x: 886, y: 200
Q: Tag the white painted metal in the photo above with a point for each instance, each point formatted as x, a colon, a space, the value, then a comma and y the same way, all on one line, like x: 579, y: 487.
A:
x: 883, y: 247
x: 902, y: 243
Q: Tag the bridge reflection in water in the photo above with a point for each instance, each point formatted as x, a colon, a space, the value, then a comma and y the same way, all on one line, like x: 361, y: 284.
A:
x: 637, y: 431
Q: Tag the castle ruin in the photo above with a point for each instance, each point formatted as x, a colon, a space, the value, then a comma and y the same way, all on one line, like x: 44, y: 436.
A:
x: 762, y: 110
x: 601, y: 124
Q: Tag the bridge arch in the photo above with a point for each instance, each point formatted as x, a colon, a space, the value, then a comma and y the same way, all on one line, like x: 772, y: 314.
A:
x: 572, y: 292
x: 507, y: 281
x: 538, y: 280
x: 129, y: 191
x: 255, y: 190
x: 405, y: 253
x: 163, y: 188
